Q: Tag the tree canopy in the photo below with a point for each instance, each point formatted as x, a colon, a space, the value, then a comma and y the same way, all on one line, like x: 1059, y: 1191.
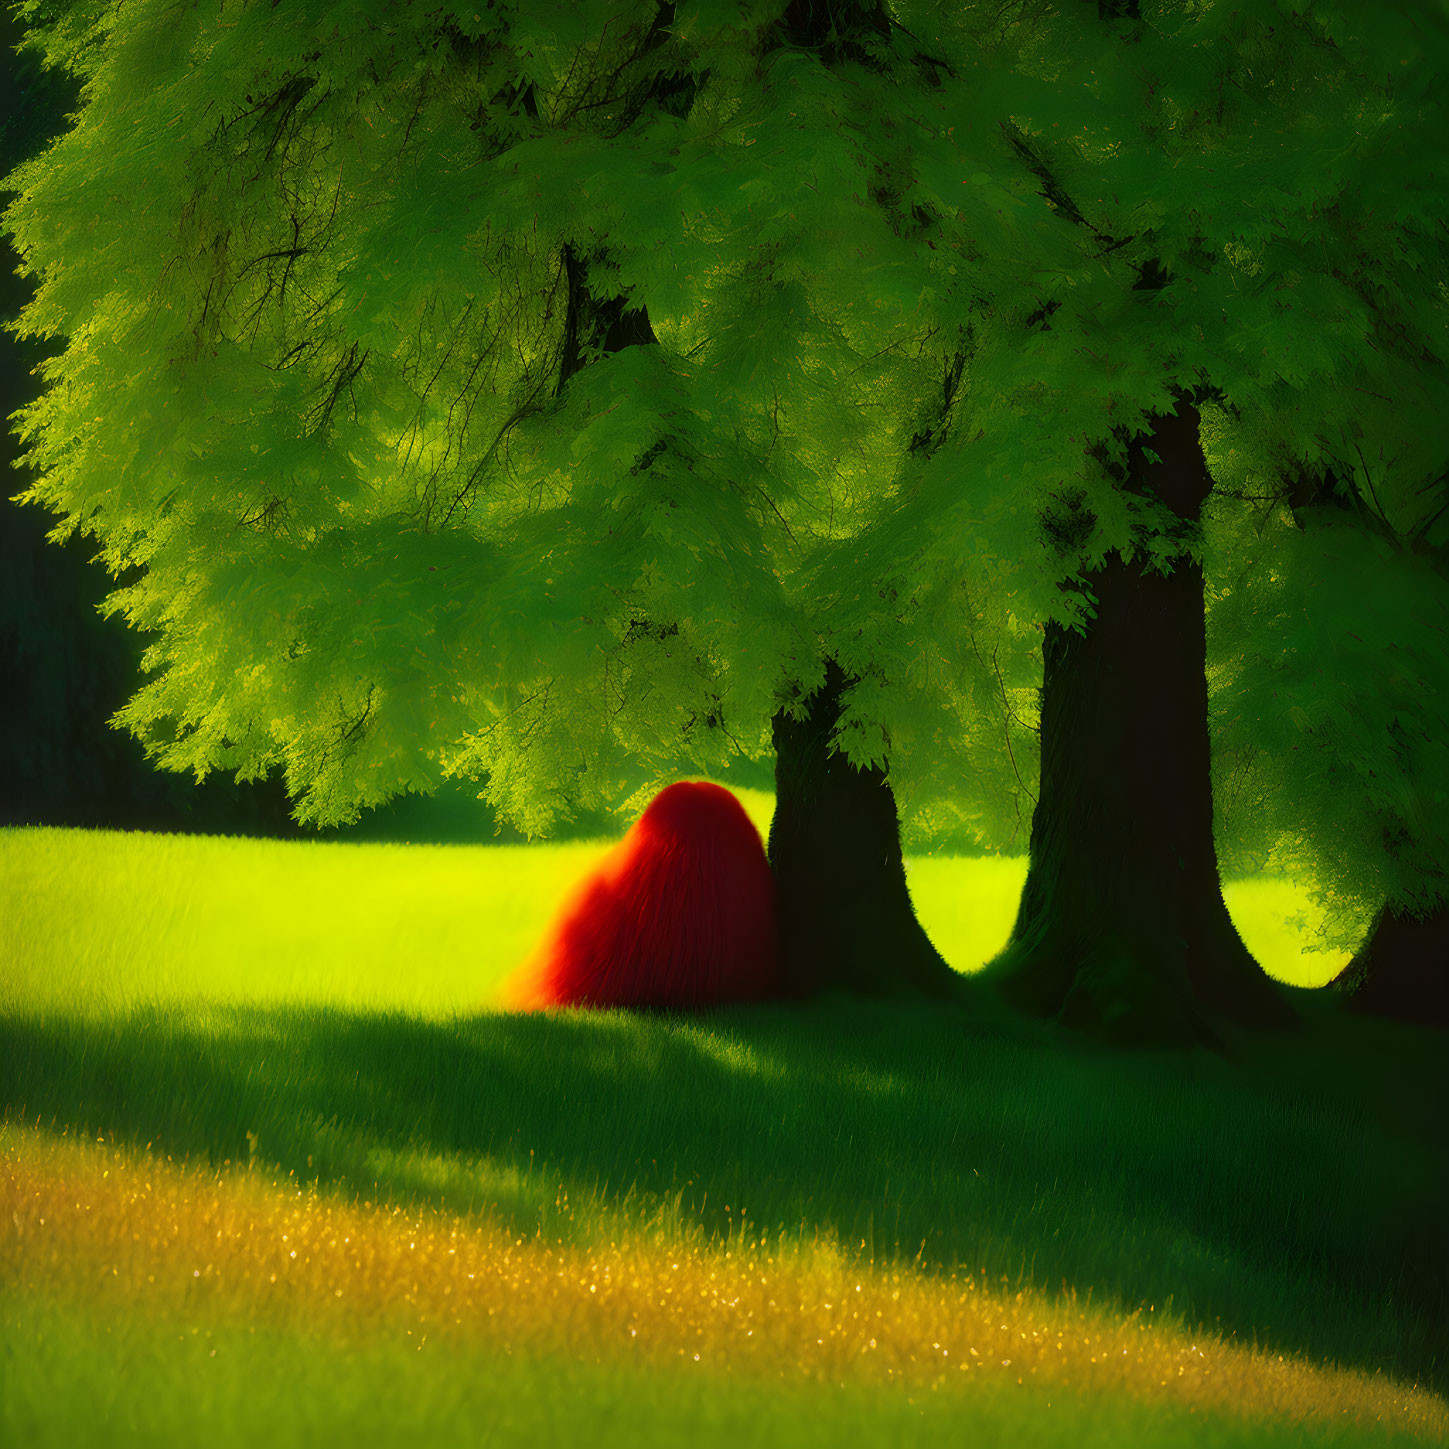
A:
x: 323, y: 275
x: 523, y: 392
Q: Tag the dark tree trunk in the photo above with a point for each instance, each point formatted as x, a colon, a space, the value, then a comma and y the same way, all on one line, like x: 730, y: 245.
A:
x: 1402, y: 969
x: 1122, y: 927
x: 846, y: 921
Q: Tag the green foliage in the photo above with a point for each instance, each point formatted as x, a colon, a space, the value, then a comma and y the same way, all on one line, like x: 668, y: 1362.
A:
x: 66, y: 34
x: 312, y: 387
x: 1329, y: 563
x: 1331, y: 714
x: 326, y: 276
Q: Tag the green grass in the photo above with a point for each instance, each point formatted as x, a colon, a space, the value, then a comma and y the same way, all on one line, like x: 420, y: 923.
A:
x: 156, y: 1384
x: 97, y: 920
x: 321, y: 1013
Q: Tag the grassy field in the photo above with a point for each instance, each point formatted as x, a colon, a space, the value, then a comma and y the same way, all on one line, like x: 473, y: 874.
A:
x: 97, y: 920
x: 275, y: 1168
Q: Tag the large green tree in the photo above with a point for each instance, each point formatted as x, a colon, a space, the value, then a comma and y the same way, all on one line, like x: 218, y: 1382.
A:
x: 470, y: 393
x: 1212, y: 162
x: 527, y: 393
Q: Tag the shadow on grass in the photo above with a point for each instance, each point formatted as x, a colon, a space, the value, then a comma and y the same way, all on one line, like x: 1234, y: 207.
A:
x: 1274, y: 1204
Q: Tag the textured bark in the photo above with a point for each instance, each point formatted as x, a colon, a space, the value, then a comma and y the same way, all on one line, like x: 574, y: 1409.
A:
x: 1402, y: 969
x: 846, y: 921
x: 1122, y: 927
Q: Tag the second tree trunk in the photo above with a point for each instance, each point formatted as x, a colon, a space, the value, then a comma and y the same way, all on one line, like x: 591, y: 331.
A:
x: 846, y: 921
x: 1122, y: 927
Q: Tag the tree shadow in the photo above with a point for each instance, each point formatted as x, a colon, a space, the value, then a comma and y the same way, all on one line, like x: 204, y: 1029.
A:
x: 1253, y: 1203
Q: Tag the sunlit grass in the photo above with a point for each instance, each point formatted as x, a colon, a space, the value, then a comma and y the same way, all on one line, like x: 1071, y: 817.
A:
x: 125, y: 1233
x: 967, y: 906
x: 98, y: 919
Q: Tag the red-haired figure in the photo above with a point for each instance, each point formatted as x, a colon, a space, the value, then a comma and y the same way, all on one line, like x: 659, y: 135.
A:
x: 680, y: 913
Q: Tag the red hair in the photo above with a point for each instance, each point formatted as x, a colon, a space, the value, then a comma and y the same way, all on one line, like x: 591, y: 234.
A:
x: 680, y: 913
